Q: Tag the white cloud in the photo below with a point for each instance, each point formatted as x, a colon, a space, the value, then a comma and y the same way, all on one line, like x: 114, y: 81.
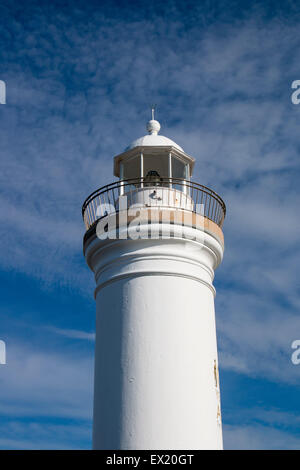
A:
x: 37, y: 382
x: 33, y: 435
x: 74, y: 334
x: 258, y: 437
x: 223, y: 93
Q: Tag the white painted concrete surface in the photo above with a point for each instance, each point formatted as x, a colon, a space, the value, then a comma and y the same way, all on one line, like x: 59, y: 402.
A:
x: 156, y: 384
x: 156, y: 196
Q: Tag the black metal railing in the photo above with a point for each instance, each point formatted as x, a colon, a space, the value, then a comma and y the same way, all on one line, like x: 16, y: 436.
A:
x: 173, y: 193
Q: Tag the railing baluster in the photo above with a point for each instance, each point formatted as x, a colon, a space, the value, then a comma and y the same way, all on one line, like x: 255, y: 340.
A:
x: 98, y: 215
x: 213, y: 210
x: 196, y: 203
x: 201, y: 204
x: 219, y: 213
x: 113, y: 193
x: 209, y: 207
x: 89, y: 212
x: 216, y: 206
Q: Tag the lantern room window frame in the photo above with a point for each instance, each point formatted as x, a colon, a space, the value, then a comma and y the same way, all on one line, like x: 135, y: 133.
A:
x: 142, y: 153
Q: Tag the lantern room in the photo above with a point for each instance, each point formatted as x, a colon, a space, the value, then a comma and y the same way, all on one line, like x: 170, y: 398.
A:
x: 153, y: 160
x: 153, y: 172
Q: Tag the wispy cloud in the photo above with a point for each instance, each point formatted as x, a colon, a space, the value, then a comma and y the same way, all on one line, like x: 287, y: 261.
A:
x: 42, y: 435
x: 79, y: 83
x: 40, y: 382
x: 74, y: 334
x: 258, y: 438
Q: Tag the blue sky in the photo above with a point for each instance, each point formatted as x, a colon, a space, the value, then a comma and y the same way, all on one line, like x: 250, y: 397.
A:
x: 80, y: 77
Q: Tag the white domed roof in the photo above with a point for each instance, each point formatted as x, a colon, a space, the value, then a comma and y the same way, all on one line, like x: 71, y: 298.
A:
x: 153, y: 139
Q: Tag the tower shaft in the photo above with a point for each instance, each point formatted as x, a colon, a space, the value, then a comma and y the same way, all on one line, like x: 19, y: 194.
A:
x: 156, y: 381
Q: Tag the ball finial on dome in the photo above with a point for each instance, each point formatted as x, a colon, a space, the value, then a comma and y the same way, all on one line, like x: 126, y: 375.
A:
x: 153, y: 126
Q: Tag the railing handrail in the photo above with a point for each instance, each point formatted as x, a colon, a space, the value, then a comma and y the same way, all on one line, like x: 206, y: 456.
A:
x: 129, y: 181
x: 140, y: 181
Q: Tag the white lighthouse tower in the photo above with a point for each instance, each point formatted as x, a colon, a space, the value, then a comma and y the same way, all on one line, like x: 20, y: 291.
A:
x: 154, y: 239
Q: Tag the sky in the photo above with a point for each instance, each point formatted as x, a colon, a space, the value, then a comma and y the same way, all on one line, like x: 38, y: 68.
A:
x: 80, y: 78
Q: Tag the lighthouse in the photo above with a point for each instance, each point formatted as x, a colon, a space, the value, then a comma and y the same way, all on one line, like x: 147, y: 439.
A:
x: 153, y: 241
